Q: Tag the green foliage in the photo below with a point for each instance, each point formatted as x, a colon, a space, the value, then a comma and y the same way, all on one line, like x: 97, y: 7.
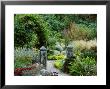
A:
x: 35, y: 30
x: 80, y: 32
x: 34, y: 41
x: 22, y: 62
x: 83, y: 67
x: 89, y: 53
x: 58, y: 47
x: 56, y: 21
x: 20, y: 33
x: 77, y: 53
x: 87, y: 32
x: 26, y: 26
x: 56, y: 57
x: 53, y: 38
x: 59, y: 64
x: 59, y: 22
x: 86, y: 19
x: 51, y: 42
x: 24, y: 57
x: 85, y: 48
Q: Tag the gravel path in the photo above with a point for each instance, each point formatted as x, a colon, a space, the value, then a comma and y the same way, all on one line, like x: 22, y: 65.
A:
x: 51, y: 68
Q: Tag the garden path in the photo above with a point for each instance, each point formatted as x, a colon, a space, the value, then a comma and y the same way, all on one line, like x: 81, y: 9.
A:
x: 51, y: 68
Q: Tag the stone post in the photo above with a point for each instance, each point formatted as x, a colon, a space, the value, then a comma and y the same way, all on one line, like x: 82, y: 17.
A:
x: 69, y: 51
x: 43, y: 56
x: 69, y: 58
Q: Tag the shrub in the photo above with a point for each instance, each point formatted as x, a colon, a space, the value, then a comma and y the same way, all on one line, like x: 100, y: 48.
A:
x: 56, y: 57
x: 89, y: 53
x: 21, y: 62
x: 83, y: 67
x: 23, y: 57
x: 31, y: 70
x: 50, y: 52
x: 34, y: 70
x: 19, y: 71
x: 58, y: 47
x: 27, y: 28
x: 51, y: 42
x: 59, y: 64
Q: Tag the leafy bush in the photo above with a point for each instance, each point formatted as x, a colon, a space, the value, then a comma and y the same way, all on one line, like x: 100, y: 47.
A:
x: 56, y: 21
x: 27, y: 25
x: 59, y: 64
x: 35, y: 30
x: 24, y: 57
x: 58, y: 47
x: 83, y: 67
x: 23, y: 62
x: 89, y: 53
x: 56, y: 57
x: 51, y: 42
x: 50, y: 52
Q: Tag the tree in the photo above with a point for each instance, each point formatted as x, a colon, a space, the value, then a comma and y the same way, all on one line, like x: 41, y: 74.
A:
x: 28, y: 24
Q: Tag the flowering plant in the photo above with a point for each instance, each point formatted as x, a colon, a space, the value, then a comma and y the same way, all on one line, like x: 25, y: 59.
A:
x: 18, y: 71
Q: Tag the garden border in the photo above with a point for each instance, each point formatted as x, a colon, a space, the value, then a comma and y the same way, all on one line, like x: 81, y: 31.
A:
x: 4, y: 3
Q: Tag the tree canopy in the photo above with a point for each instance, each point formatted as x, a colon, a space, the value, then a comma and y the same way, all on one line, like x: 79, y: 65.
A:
x: 35, y: 30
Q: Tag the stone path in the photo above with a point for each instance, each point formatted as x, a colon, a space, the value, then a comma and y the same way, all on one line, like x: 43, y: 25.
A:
x: 51, y: 68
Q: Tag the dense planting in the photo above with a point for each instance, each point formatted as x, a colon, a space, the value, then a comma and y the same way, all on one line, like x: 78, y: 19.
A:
x: 56, y: 32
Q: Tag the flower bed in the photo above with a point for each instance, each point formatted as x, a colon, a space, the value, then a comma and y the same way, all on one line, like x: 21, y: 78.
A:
x: 32, y: 70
